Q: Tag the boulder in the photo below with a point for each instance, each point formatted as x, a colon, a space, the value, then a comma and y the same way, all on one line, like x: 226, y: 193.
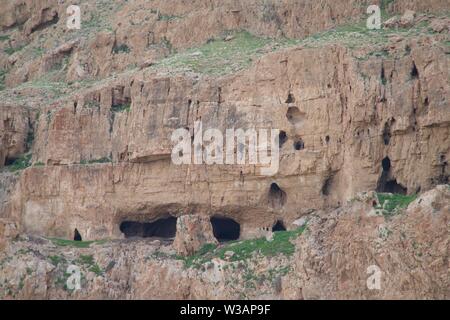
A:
x: 193, y: 232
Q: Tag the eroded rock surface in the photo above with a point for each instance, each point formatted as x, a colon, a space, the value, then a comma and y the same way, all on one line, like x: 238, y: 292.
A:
x: 86, y: 118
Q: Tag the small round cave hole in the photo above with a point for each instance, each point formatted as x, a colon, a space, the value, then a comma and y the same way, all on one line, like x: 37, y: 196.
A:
x: 164, y: 228
x: 299, y: 144
x: 278, y: 226
x: 225, y: 229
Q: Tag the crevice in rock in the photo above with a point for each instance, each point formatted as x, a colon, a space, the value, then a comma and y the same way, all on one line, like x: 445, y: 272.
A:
x: 290, y: 98
x: 326, y: 187
x: 383, y: 76
x: 44, y: 25
x: 282, y: 137
x: 387, y: 183
x: 387, y: 131
x: 277, y: 197
x: 225, y: 229
x: 414, y: 72
x: 164, y: 228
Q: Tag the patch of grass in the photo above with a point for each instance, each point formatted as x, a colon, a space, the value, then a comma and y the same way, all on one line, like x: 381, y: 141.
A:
x: 126, y: 107
x: 86, y: 259
x: 39, y: 164
x: 55, y: 260
x: 71, y: 243
x: 95, y: 268
x: 21, y: 163
x: 123, y: 48
x: 4, y: 37
x: 243, y: 250
x: 11, y: 50
x: 2, y: 79
x: 75, y: 244
x: 391, y: 204
x: 101, y: 160
x: 218, y: 57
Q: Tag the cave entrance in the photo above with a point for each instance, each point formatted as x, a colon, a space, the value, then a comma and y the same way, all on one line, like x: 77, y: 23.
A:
x: 392, y: 186
x: 164, y: 228
x: 77, y: 235
x: 225, y: 229
x: 278, y: 226
x: 277, y: 197
x: 388, y: 184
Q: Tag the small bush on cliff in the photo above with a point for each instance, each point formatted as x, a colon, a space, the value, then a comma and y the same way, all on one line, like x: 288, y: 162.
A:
x: 125, y: 107
x: 21, y: 163
x: 94, y: 161
x: 12, y: 50
x: 123, y: 48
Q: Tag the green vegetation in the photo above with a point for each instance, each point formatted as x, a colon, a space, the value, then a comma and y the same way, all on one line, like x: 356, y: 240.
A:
x: 122, y: 107
x: 93, y: 104
x: 385, y: 3
x: 101, y: 160
x: 21, y: 163
x: 218, y: 57
x: 75, y: 244
x: 12, y: 50
x: 2, y: 79
x: 4, y: 37
x: 243, y: 250
x: 391, y: 204
x: 55, y: 260
x: 123, y: 48
x: 89, y: 261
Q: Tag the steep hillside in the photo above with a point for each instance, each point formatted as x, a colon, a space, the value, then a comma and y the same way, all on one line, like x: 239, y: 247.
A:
x: 87, y: 117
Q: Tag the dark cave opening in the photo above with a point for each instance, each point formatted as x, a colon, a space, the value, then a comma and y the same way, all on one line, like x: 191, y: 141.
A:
x: 299, y: 145
x: 387, y: 183
x: 326, y: 187
x: 278, y: 226
x: 392, y: 186
x: 225, y: 229
x: 386, y: 164
x: 414, y: 71
x: 77, y: 235
x: 290, y: 98
x: 164, y: 228
x: 282, y: 138
x: 277, y: 197
x: 9, y: 161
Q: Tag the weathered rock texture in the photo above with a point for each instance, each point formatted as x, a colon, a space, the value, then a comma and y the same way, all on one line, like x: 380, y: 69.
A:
x: 331, y: 261
x: 94, y: 111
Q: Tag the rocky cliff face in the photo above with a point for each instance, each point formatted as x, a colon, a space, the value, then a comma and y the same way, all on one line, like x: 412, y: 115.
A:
x: 87, y: 117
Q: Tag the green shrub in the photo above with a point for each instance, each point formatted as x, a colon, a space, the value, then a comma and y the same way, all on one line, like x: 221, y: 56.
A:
x: 391, y: 204
x: 11, y: 50
x: 101, y: 160
x: 123, y: 48
x: 122, y: 107
x: 21, y: 163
